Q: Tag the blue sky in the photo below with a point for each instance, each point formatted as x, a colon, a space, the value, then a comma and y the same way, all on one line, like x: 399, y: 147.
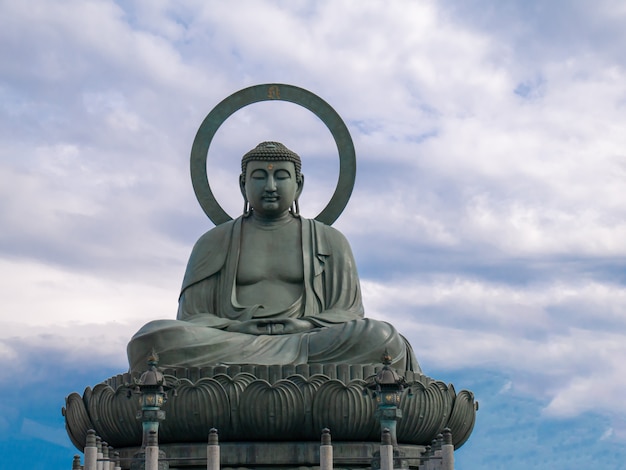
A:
x: 488, y: 219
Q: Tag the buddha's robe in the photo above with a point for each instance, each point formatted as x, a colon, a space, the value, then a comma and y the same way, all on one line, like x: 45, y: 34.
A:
x: 330, y: 300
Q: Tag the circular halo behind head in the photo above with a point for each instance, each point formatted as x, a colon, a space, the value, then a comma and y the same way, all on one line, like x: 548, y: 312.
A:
x: 273, y: 92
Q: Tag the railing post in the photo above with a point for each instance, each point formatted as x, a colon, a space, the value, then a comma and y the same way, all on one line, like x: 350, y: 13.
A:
x: 100, y: 454
x: 111, y: 462
x: 430, y: 463
x: 105, y: 456
x: 447, y: 451
x: 326, y: 451
x: 437, y: 447
x: 116, y: 456
x: 76, y: 463
x: 386, y: 451
x: 213, y: 451
x: 91, y: 451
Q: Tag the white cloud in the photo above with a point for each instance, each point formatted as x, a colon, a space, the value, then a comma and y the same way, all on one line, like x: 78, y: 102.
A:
x: 36, y: 295
x: 488, y: 212
x: 565, y: 343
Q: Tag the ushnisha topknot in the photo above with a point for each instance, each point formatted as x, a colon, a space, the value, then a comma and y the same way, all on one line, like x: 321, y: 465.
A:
x: 271, y: 151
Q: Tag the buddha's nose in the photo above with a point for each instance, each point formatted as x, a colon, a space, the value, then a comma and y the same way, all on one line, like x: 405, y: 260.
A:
x: 270, y: 184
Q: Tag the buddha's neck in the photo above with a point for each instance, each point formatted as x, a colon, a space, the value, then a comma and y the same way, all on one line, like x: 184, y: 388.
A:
x: 272, y: 223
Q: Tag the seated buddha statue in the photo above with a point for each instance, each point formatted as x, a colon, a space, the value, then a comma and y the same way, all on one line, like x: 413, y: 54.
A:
x: 270, y: 287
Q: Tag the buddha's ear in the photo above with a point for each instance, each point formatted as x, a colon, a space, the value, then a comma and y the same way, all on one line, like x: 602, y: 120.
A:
x: 300, y: 186
x: 242, y: 185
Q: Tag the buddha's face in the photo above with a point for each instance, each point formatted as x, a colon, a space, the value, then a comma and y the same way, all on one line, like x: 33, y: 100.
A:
x: 271, y: 187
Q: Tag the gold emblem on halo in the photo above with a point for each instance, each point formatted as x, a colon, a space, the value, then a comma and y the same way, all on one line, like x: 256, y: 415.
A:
x: 273, y: 93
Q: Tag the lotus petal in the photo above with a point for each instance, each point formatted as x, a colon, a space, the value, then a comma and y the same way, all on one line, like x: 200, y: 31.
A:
x: 234, y: 387
x: 462, y: 418
x: 77, y: 421
x: 196, y: 408
x: 425, y: 413
x: 345, y: 411
x: 114, y: 415
x: 271, y: 412
x: 309, y: 388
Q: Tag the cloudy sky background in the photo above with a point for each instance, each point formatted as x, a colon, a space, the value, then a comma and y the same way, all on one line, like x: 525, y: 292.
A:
x: 488, y: 219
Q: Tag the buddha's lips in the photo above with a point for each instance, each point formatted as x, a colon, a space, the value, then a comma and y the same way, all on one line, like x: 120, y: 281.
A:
x: 270, y: 198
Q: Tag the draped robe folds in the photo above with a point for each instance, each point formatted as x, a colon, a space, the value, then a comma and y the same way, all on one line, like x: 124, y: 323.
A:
x: 331, y: 301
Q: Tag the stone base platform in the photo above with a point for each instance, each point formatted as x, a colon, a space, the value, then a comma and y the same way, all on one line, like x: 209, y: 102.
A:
x: 274, y: 455
x: 285, y: 404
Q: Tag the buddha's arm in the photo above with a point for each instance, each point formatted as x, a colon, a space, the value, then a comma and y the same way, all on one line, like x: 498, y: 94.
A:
x: 335, y: 293
x: 197, y: 302
x: 195, y: 306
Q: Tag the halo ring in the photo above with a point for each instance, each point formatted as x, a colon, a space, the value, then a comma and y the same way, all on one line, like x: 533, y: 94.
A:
x: 273, y: 92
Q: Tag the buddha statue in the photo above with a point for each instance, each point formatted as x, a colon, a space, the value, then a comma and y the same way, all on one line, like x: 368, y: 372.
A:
x: 270, y: 344
x: 270, y: 287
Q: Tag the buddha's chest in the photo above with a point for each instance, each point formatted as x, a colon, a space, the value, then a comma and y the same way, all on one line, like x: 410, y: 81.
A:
x: 270, y: 255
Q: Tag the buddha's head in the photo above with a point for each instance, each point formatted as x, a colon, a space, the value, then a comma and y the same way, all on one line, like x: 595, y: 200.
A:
x: 271, y: 180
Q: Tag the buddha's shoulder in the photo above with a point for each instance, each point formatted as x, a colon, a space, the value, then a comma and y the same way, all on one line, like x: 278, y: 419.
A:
x: 325, y: 229
x: 209, y: 253
x: 328, y: 236
x: 217, y: 236
x: 214, y: 243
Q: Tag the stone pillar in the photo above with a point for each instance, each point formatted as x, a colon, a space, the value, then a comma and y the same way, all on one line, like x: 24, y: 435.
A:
x: 76, y: 463
x: 116, y: 457
x: 213, y: 451
x: 437, y: 451
x: 426, y: 459
x: 111, y: 461
x: 447, y: 451
x: 326, y: 451
x: 386, y: 450
x: 91, y: 451
x: 100, y: 455
x: 152, y: 452
x: 105, y: 456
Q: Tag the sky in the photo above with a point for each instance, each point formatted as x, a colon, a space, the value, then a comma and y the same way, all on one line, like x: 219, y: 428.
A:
x: 487, y: 221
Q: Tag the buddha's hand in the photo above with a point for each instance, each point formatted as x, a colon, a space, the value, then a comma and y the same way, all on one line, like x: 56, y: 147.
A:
x: 250, y: 327
x: 283, y: 326
x: 288, y: 326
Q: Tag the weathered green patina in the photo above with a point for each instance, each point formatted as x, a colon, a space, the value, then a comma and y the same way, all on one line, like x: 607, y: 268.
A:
x: 273, y: 92
x: 270, y: 344
x: 270, y: 287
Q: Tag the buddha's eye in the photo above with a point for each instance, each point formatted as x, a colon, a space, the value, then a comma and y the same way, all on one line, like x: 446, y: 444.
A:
x: 282, y: 175
x: 258, y: 175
